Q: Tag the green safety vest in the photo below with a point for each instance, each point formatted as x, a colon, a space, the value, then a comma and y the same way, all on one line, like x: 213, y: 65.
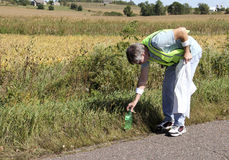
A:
x: 161, y: 57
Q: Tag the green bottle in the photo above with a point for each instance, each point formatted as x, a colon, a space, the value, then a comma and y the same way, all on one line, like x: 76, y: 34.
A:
x: 128, y: 120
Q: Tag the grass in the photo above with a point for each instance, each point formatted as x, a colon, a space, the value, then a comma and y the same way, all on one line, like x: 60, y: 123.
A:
x: 50, y: 49
x: 48, y: 109
x: 69, y: 26
x: 56, y: 8
x: 54, y: 127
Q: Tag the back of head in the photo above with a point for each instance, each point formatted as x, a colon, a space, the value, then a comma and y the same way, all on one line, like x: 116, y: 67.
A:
x: 134, y: 52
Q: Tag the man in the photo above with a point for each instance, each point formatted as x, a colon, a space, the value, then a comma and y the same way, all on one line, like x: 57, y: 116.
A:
x: 166, y: 47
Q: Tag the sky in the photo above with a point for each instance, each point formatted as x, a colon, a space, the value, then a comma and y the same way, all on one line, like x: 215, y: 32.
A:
x: 193, y: 3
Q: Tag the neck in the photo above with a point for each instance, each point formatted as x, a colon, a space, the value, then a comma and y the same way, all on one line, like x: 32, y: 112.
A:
x: 147, y: 51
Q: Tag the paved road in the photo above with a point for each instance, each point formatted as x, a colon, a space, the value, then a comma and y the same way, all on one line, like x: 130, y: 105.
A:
x: 208, y: 141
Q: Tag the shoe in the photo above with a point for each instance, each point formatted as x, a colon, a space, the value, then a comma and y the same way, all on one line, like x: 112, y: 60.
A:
x: 177, y: 131
x: 164, y: 126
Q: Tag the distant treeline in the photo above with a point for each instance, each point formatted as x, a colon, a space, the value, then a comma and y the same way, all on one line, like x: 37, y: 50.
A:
x: 65, y: 2
x: 176, y: 8
x: 146, y: 8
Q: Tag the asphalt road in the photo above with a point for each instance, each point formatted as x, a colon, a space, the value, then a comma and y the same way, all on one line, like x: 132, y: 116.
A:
x: 208, y: 141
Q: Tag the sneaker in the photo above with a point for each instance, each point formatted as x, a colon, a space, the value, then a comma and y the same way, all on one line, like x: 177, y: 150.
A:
x: 164, y: 126
x: 177, y: 131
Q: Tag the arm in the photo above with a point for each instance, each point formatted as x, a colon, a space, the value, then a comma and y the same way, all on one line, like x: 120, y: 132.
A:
x: 141, y: 84
x: 181, y: 33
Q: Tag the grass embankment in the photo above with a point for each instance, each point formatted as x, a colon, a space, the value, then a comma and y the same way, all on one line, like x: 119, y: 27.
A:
x: 70, y: 104
x: 73, y: 26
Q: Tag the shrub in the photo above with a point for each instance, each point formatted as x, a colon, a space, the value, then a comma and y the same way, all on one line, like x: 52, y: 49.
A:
x: 127, y: 11
x: 112, y: 14
x: 23, y: 2
x: 73, y: 6
x: 80, y: 8
x: 40, y: 6
x: 51, y: 7
x: 227, y: 11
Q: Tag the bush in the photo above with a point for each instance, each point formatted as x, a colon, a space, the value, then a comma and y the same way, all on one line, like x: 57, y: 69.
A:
x: 112, y: 14
x: 127, y: 11
x: 40, y: 6
x: 80, y: 8
x: 123, y: 2
x: 23, y: 2
x: 73, y: 6
x: 227, y: 11
x: 51, y: 7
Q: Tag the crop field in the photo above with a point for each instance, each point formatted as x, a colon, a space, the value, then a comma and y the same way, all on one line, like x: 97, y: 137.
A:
x: 65, y: 80
x: 46, y: 49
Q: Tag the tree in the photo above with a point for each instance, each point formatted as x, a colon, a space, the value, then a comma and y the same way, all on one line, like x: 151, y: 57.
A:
x: 51, y: 7
x: 121, y: 2
x: 204, y: 8
x: 127, y: 11
x: 197, y: 11
x: 217, y: 8
x: 187, y: 8
x: 73, y: 6
x: 222, y: 8
x: 227, y: 11
x: 147, y: 9
x: 40, y: 6
x: 176, y: 8
x: 51, y: 2
x: 63, y: 2
x: 159, y: 8
x: 80, y: 8
x: 143, y: 11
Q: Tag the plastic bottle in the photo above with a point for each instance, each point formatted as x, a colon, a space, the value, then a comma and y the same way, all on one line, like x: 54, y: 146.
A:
x: 128, y: 120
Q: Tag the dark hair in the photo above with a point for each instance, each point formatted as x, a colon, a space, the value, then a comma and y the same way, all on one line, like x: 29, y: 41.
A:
x: 134, y: 52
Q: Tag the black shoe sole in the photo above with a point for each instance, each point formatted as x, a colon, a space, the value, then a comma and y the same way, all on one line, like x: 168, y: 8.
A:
x: 160, y: 130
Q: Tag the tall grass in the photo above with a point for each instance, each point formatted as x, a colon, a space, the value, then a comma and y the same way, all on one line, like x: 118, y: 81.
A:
x: 68, y: 26
x: 54, y: 108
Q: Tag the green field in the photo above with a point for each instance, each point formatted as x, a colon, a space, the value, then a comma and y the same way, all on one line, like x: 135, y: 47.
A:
x: 65, y: 81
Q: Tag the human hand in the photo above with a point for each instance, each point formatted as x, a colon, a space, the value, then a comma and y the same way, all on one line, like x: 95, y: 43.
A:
x: 131, y: 106
x: 187, y: 56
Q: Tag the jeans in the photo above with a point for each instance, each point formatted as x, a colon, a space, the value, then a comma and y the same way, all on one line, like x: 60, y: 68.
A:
x: 168, y: 92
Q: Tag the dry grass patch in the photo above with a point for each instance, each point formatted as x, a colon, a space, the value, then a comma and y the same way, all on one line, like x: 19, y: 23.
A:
x: 51, y: 49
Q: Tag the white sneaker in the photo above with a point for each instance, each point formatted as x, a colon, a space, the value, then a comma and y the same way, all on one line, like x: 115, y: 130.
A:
x: 177, y: 131
x: 163, y: 127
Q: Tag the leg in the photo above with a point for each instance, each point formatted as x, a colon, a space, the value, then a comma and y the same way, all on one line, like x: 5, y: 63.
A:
x: 179, y: 119
x: 167, y: 99
x: 168, y: 92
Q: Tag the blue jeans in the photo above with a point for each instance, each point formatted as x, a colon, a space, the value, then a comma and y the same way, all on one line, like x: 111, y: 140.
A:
x: 168, y: 92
